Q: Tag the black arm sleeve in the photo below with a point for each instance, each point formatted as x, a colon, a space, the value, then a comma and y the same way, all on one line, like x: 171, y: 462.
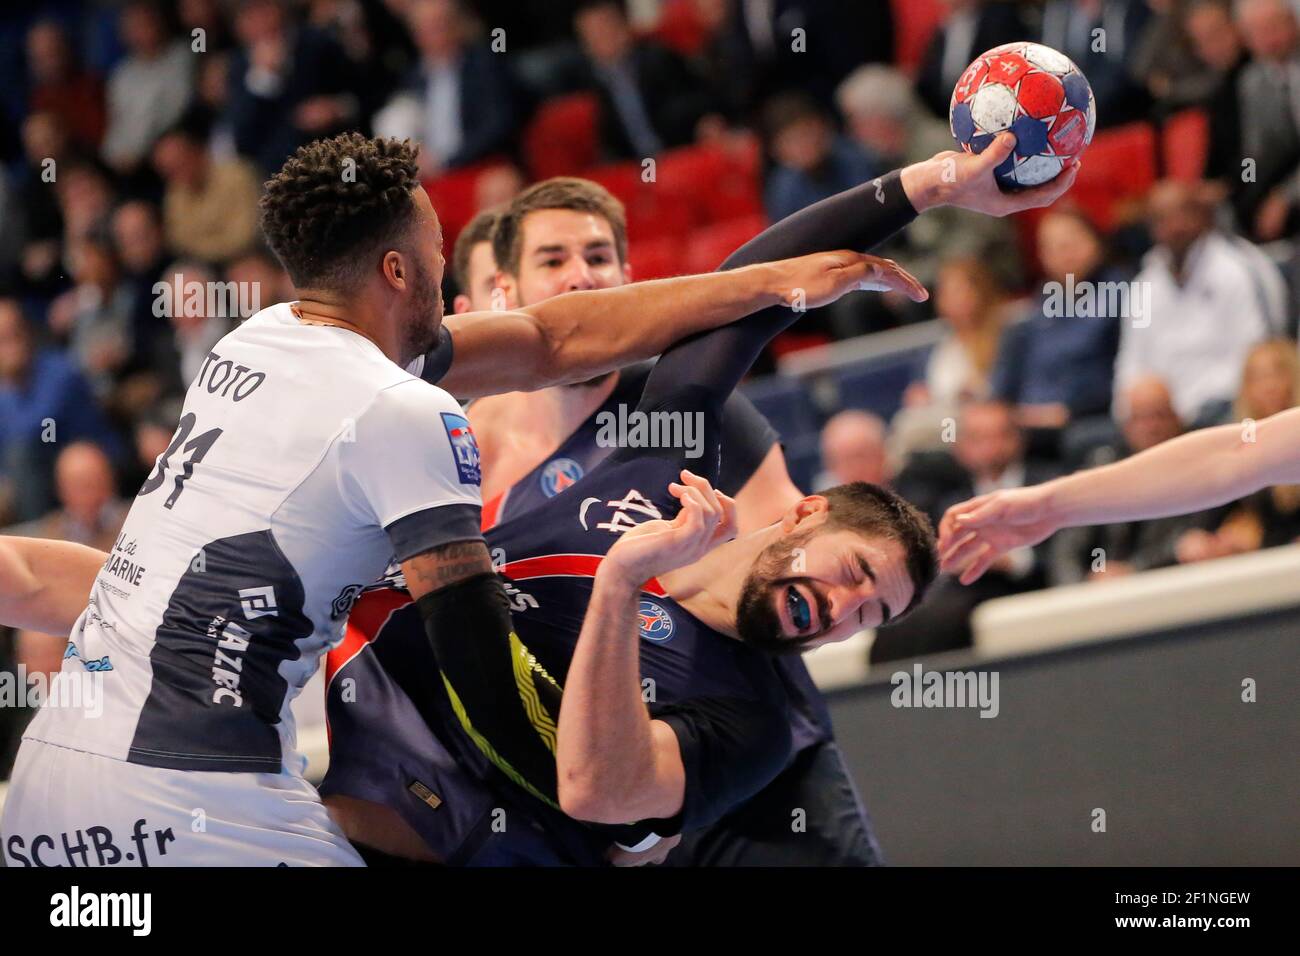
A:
x: 483, y: 665
x: 747, y: 437
x: 438, y: 359
x: 715, y: 361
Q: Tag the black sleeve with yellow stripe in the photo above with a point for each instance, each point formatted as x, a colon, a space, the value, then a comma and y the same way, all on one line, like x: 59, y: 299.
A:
x: 504, y: 699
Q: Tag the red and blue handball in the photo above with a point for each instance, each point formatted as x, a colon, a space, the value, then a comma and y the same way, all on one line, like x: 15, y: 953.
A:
x: 1035, y: 92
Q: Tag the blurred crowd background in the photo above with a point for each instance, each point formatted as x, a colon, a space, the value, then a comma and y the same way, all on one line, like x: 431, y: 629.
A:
x: 135, y: 138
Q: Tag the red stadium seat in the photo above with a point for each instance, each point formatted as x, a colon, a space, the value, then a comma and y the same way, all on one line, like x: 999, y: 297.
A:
x: 709, y: 246
x: 720, y: 183
x: 679, y: 28
x: 621, y: 179
x: 654, y: 209
x: 1118, y: 169
x: 561, y: 139
x: 452, y: 195
x: 1185, y: 144
x: 656, y: 258
x: 914, y: 23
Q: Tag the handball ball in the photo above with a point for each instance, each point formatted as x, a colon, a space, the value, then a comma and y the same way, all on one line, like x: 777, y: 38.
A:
x: 1038, y: 94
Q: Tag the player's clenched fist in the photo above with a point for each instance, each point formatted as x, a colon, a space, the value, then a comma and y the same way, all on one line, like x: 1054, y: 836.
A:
x: 807, y: 282
x: 707, y: 518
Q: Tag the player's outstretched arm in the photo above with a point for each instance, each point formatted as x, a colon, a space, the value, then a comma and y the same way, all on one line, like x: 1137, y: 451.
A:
x: 866, y: 215
x: 573, y: 337
x: 44, y: 584
x: 614, y: 763
x: 1193, y: 472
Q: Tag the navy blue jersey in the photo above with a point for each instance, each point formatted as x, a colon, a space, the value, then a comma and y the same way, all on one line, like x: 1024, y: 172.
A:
x: 394, y: 739
x: 747, y: 437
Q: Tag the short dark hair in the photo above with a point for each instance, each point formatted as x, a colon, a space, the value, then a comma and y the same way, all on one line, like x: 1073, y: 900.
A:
x: 323, y: 226
x: 870, y: 509
x: 559, y: 192
x: 480, y: 229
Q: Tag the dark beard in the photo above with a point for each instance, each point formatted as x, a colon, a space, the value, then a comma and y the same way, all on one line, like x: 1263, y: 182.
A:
x: 421, y: 333
x: 757, y: 622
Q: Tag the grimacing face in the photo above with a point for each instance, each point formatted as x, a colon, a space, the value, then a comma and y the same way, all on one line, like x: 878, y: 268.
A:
x: 564, y: 250
x: 819, y: 584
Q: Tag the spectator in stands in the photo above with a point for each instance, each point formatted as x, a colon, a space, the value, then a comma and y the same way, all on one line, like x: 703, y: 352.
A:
x: 89, y: 513
x: 991, y: 451
x: 649, y: 99
x: 44, y: 400
x: 289, y: 84
x: 971, y: 27
x: 458, y: 101
x: 883, y: 114
x: 970, y: 302
x: 808, y: 45
x: 198, y: 321
x: 59, y: 86
x: 1167, y: 63
x: 474, y: 267
x: 138, y: 244
x: 85, y: 203
x: 811, y: 161
x: 1268, y: 206
x: 497, y: 185
x: 725, y: 61
x: 258, y: 272
x: 1211, y: 296
x: 853, y: 449
x: 212, y: 96
x: 1103, y: 37
x: 151, y: 435
x: 45, y: 152
x: 1056, y: 367
x: 1271, y: 517
x: 1110, y: 551
x: 149, y: 90
x: 1217, y: 44
x: 94, y: 317
x: 209, y: 205
x: 207, y: 16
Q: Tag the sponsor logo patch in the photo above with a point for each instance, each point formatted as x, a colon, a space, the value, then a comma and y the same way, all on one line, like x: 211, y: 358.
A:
x: 463, y: 448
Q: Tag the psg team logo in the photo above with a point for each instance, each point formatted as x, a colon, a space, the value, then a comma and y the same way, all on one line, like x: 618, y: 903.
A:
x: 654, y: 622
x: 559, y: 474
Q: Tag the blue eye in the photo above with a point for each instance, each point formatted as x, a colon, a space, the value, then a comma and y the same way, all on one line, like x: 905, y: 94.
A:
x: 800, y: 612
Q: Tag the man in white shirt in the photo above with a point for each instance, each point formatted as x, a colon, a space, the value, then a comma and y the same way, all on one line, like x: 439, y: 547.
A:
x: 1212, y: 296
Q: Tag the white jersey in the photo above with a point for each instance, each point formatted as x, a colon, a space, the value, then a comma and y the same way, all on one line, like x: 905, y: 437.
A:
x: 304, y: 463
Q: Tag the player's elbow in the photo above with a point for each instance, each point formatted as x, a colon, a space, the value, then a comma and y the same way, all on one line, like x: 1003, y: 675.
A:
x: 565, y: 352
x: 584, y: 796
